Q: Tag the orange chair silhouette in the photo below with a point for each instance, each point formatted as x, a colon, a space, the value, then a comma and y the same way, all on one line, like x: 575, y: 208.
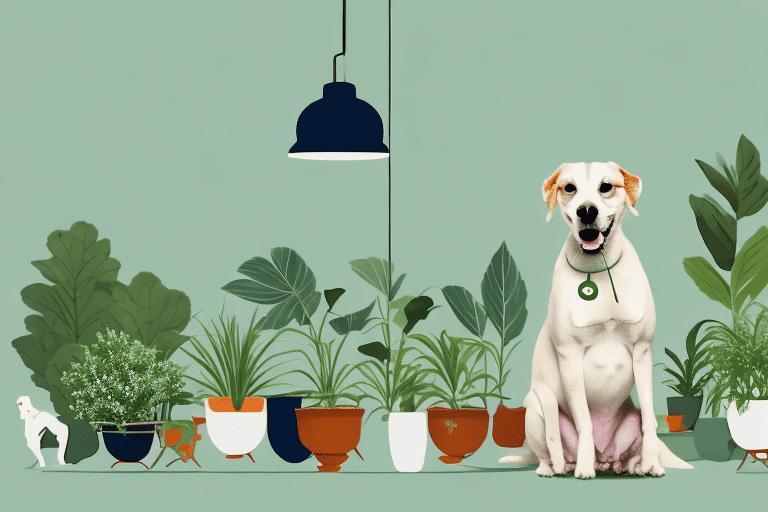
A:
x: 187, y: 450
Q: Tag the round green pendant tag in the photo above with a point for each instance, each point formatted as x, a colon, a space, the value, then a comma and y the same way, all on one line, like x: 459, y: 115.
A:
x: 588, y: 290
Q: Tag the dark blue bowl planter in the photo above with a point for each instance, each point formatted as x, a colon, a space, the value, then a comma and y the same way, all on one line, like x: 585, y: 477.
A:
x: 282, y: 430
x: 128, y: 447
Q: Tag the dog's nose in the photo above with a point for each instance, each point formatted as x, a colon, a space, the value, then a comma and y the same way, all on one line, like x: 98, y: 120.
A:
x: 587, y: 213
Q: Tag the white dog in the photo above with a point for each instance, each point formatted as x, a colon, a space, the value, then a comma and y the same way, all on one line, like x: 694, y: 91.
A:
x: 596, y: 341
x: 35, y: 423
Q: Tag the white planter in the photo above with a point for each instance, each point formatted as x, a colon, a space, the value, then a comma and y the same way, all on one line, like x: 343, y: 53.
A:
x: 408, y: 440
x: 749, y: 430
x: 236, y: 433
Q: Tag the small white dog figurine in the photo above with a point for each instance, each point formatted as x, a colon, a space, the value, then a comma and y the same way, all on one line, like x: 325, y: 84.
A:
x: 35, y: 423
x: 596, y: 341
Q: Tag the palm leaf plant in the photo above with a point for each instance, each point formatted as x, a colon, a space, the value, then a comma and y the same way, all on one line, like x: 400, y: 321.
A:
x: 685, y: 382
x: 236, y: 365
x: 504, y: 296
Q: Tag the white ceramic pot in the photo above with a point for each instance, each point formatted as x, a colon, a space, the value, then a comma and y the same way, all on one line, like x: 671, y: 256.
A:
x: 236, y: 433
x: 408, y: 440
x: 749, y: 430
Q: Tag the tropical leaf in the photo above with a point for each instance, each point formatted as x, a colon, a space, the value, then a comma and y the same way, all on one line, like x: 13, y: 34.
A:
x: 62, y: 362
x: 332, y: 296
x: 396, y: 287
x: 749, y: 274
x: 469, y: 312
x: 398, y: 305
x: 417, y: 309
x: 377, y: 350
x: 752, y: 186
x: 721, y: 184
x: 374, y: 272
x: 708, y: 280
x: 717, y: 228
x: 504, y: 295
x: 352, y: 322
x: 149, y: 312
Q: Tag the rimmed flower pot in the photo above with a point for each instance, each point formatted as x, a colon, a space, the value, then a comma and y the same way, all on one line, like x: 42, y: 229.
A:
x: 283, y: 431
x: 330, y: 433
x: 236, y: 433
x: 750, y: 429
x: 509, y: 427
x: 407, y: 440
x: 457, y: 432
x: 688, y: 406
x: 128, y: 447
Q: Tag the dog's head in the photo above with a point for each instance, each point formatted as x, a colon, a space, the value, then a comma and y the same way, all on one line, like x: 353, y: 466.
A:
x: 26, y: 411
x: 592, y: 199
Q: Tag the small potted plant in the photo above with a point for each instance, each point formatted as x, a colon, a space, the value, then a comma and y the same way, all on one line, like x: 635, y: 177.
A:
x: 690, y: 390
x: 333, y: 429
x: 504, y: 297
x: 118, y: 385
x: 236, y: 370
x: 459, y: 429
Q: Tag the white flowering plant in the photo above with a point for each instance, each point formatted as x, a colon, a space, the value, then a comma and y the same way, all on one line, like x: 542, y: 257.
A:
x: 120, y: 380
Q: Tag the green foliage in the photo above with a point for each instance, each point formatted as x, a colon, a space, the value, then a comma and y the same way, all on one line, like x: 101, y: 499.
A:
x: 453, y: 363
x: 739, y: 360
x: 237, y: 365
x: 685, y: 383
x: 120, y: 380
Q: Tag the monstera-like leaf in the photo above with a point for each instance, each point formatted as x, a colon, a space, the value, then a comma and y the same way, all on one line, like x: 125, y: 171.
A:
x: 374, y: 272
x: 504, y: 295
x: 352, y: 322
x: 151, y: 313
x: 286, y: 282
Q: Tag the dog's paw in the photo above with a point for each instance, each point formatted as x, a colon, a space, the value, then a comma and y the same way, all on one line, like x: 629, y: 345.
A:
x: 653, y: 469
x: 545, y: 469
x: 583, y: 472
x: 558, y: 465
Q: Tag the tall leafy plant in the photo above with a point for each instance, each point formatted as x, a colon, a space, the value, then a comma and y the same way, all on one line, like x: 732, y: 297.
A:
x: 684, y: 375
x: 504, y: 296
x: 85, y: 297
x: 746, y: 192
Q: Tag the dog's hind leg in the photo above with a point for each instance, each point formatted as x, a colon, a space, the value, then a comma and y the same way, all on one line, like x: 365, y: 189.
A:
x: 546, y: 421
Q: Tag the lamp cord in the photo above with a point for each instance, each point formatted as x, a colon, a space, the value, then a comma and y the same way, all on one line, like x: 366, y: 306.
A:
x: 343, y: 39
x: 389, y: 140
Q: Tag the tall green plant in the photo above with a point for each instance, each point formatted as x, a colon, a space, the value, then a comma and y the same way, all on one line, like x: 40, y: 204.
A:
x: 289, y: 285
x: 504, y: 297
x: 746, y: 191
x: 685, y: 382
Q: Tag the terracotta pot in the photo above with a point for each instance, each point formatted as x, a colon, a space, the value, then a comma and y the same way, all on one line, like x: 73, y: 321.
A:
x: 236, y: 433
x: 330, y: 433
x: 509, y: 427
x: 675, y: 423
x: 457, y: 432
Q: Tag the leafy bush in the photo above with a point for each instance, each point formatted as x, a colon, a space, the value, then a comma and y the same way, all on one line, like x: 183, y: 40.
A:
x: 685, y: 383
x: 120, y: 380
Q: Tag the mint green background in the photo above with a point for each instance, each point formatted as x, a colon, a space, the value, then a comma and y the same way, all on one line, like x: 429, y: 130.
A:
x: 166, y: 124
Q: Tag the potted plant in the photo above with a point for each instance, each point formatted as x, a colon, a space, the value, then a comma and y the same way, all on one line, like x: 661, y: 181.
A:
x: 746, y: 191
x: 118, y: 385
x: 389, y: 376
x: 236, y: 370
x: 333, y: 429
x: 690, y: 390
x: 504, y: 296
x: 459, y: 429
x: 739, y: 360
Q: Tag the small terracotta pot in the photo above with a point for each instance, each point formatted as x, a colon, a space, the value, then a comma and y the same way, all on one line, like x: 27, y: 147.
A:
x: 457, y: 432
x: 509, y: 427
x: 330, y: 433
x: 675, y: 423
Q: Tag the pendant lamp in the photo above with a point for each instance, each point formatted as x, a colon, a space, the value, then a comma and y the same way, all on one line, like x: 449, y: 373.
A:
x: 339, y: 126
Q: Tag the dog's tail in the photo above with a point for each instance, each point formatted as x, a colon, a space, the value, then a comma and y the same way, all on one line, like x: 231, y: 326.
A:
x: 669, y: 459
x: 527, y: 457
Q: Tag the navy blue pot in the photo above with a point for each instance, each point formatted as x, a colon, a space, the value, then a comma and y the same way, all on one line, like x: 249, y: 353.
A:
x: 282, y: 430
x: 128, y: 447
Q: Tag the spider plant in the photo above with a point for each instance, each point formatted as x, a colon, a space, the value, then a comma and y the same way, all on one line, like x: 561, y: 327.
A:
x: 685, y: 383
x: 237, y: 365
x: 453, y: 363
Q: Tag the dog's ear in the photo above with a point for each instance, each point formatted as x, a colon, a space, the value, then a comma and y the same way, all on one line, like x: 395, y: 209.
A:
x: 549, y: 192
x: 632, y: 186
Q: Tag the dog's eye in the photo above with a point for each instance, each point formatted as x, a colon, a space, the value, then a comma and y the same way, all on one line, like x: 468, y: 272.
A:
x: 570, y: 188
x: 605, y: 187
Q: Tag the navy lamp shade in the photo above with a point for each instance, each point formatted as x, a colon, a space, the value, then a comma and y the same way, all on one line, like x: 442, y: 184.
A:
x: 339, y: 126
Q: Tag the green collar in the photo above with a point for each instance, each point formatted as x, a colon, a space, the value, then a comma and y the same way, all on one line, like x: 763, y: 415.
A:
x: 594, y: 271
x: 592, y: 285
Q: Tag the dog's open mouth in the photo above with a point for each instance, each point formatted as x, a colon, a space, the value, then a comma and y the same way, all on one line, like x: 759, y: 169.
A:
x: 592, y: 239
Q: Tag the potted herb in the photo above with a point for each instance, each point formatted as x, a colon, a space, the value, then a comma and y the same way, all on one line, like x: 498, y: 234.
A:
x: 504, y: 296
x: 459, y: 429
x: 690, y: 390
x: 333, y: 429
x: 118, y: 385
x: 389, y: 377
x: 746, y: 192
x: 236, y: 370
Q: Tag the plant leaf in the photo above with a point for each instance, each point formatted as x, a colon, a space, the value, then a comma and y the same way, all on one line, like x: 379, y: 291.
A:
x: 752, y: 186
x: 504, y: 295
x: 333, y: 295
x: 377, y: 350
x: 417, y: 309
x: 749, y: 274
x: 708, y: 280
x: 396, y: 287
x: 717, y: 228
x: 352, y: 322
x: 399, y: 305
x: 721, y: 184
x: 469, y: 312
x: 374, y: 272
x: 62, y: 362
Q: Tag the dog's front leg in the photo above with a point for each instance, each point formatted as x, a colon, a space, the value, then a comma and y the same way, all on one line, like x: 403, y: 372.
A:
x: 642, y: 365
x: 571, y: 358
